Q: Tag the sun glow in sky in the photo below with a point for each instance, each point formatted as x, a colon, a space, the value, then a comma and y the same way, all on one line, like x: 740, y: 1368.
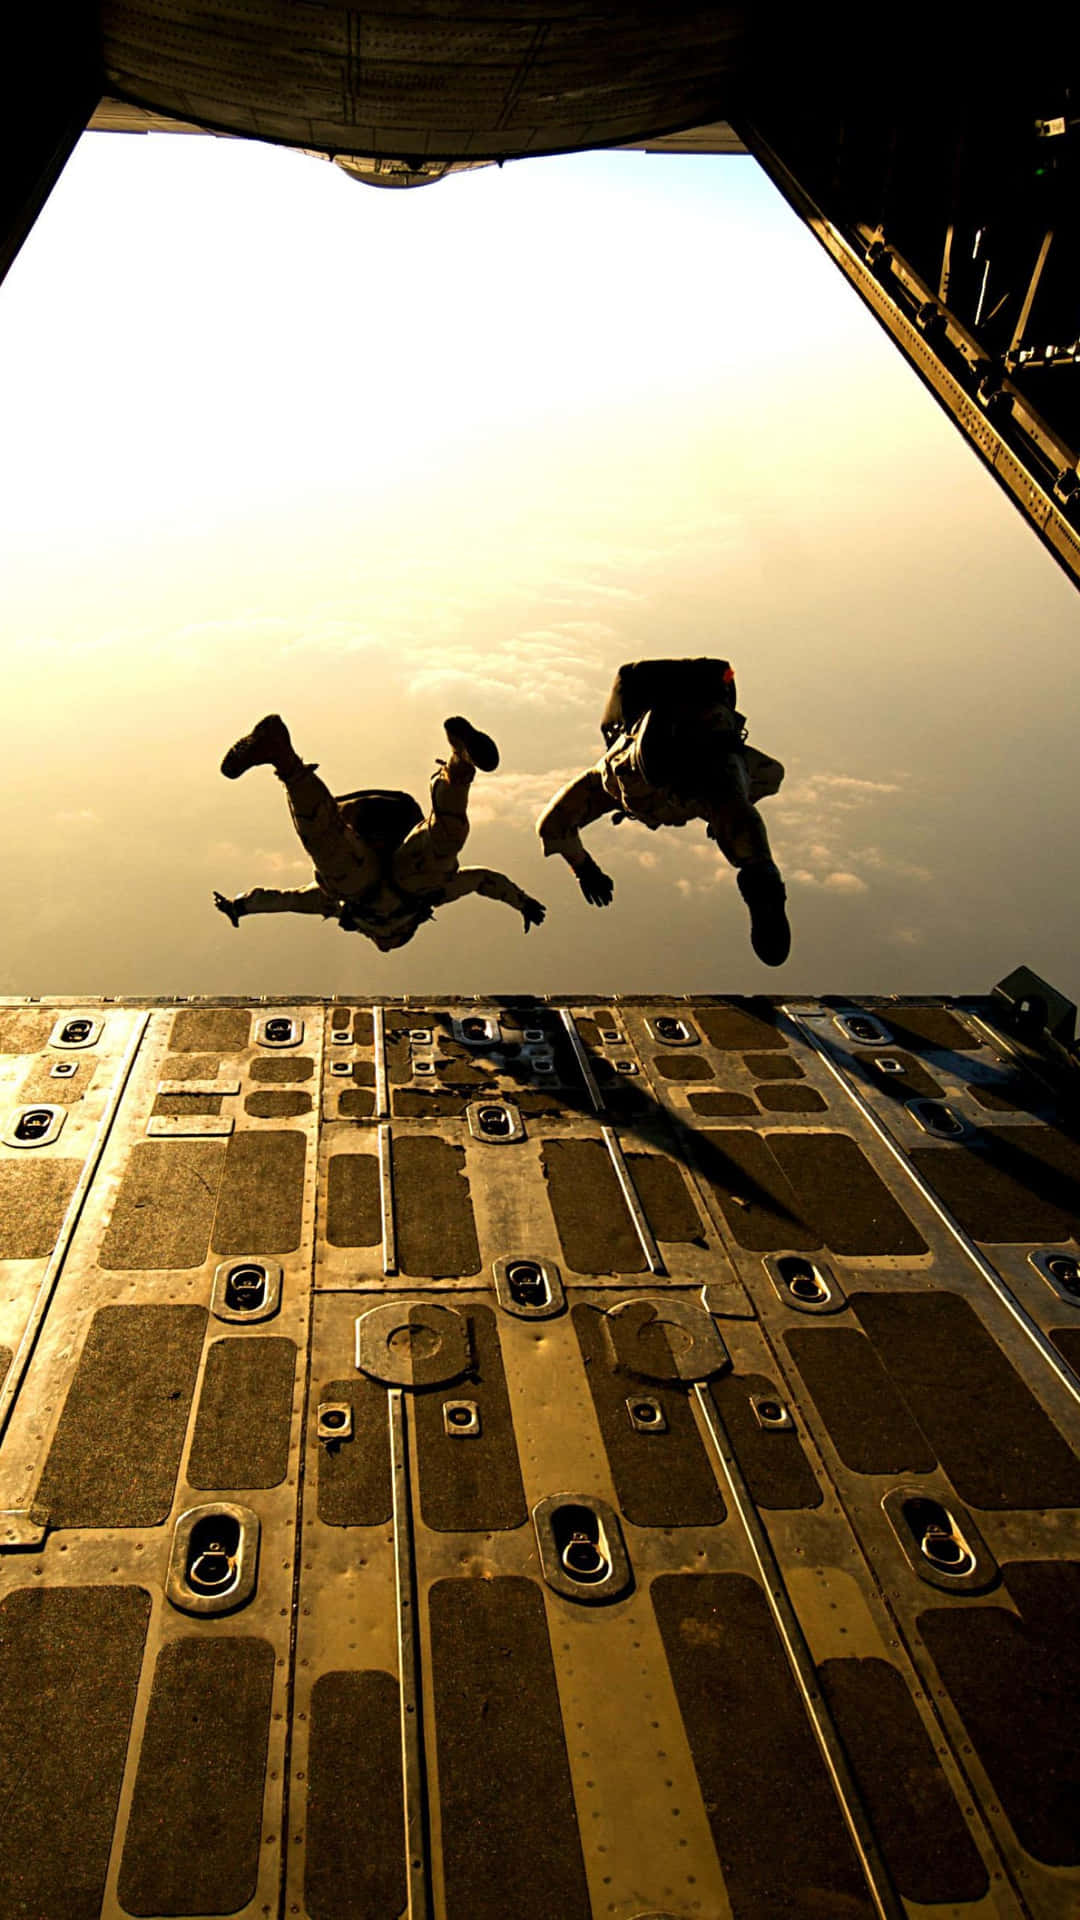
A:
x: 275, y: 440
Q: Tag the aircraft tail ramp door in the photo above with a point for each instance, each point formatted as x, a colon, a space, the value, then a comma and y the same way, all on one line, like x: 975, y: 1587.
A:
x: 540, y: 1458
x: 936, y: 164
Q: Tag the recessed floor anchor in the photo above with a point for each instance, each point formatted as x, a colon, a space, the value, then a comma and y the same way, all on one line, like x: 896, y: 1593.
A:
x: 671, y: 1031
x: 1061, y: 1270
x: 246, y: 1290
x: 279, y: 1030
x: 34, y: 1126
x: 808, y: 1285
x: 531, y: 1289
x: 941, y: 1543
x: 864, y: 1030
x: 76, y: 1030
x: 582, y: 1551
x: 214, y: 1559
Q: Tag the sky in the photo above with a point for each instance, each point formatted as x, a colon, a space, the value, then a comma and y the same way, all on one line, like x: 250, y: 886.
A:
x: 273, y: 440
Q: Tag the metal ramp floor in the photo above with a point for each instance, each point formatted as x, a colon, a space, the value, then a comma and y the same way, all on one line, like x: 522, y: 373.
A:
x: 536, y: 1458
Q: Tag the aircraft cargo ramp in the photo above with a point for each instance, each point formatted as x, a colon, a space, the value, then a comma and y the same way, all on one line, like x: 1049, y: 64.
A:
x: 538, y: 1458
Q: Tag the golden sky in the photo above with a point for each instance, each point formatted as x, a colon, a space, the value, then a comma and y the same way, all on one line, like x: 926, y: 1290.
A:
x: 275, y: 440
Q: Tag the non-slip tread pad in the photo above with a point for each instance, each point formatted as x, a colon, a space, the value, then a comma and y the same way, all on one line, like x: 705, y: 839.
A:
x: 933, y: 1027
x: 777, y: 1472
x: 471, y: 1484
x: 356, y: 1103
x: 165, y: 1206
x: 69, y: 1669
x: 995, y: 1442
x: 1012, y: 1184
x: 920, y: 1830
x: 179, y: 1105
x: 242, y: 1427
x: 741, y: 1026
x: 354, y: 1475
x: 260, y: 1209
x: 661, y: 1479
x: 683, y: 1066
x: 594, y: 1226
x: 34, y: 1198
x: 278, y: 1103
x: 665, y: 1197
x: 210, y: 1030
x: 782, y: 1097
x: 25, y: 1029
x: 414, y: 1103
x: 1016, y: 1686
x: 508, y: 1815
x: 432, y: 1208
x: 195, y: 1828
x: 758, y: 1202
x: 853, y: 1208
x: 114, y: 1457
x: 280, y: 1069
x: 190, y: 1066
x: 779, y: 1833
x: 353, y: 1205
x: 354, y: 1863
x: 718, y: 1105
x: 40, y: 1087
x: 772, y: 1066
x: 868, y: 1423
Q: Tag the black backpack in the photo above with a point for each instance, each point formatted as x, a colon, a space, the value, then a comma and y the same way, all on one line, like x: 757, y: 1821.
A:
x: 381, y: 815
x: 681, y: 688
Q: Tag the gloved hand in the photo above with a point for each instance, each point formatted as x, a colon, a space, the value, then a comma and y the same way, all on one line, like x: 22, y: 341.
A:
x: 595, y: 884
x: 533, y: 912
x: 228, y: 907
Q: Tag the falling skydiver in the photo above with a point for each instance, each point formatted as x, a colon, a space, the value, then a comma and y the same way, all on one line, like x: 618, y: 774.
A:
x: 676, y: 751
x: 381, y: 868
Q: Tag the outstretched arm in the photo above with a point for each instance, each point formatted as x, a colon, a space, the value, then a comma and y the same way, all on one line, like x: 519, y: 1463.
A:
x: 286, y: 900
x: 493, y: 886
x: 577, y: 805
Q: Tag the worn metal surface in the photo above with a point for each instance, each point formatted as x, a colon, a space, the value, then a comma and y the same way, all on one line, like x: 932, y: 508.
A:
x: 582, y: 1484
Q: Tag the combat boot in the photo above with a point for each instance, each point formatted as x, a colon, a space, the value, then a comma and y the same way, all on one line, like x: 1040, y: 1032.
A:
x: 478, y: 747
x: 267, y: 745
x: 764, y: 892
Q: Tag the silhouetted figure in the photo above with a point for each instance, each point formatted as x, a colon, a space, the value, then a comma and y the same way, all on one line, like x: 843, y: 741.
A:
x: 676, y: 751
x: 381, y: 869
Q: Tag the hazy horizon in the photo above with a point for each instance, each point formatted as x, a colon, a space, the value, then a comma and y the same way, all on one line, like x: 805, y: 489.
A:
x: 277, y: 441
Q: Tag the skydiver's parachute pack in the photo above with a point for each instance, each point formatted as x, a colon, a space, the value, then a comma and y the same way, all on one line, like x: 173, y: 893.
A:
x: 381, y: 815
x: 683, y: 688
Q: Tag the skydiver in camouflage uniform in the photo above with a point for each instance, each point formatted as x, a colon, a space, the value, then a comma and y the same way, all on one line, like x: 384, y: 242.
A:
x: 381, y: 868
x: 676, y: 751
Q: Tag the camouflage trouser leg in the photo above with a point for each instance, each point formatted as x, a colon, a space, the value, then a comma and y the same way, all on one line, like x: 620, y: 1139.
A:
x: 428, y: 856
x: 344, y: 864
x: 734, y: 821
